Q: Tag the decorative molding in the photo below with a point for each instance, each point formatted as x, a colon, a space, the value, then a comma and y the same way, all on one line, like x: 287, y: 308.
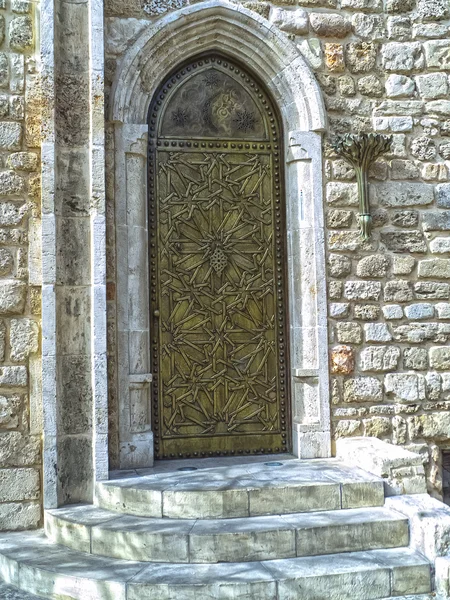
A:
x: 361, y: 150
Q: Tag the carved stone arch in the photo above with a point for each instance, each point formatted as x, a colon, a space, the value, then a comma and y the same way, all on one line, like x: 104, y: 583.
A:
x: 231, y: 30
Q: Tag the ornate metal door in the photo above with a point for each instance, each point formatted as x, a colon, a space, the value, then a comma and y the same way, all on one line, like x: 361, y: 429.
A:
x: 217, y: 265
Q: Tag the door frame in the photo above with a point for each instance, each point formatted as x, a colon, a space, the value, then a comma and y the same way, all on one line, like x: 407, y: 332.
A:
x: 207, y: 27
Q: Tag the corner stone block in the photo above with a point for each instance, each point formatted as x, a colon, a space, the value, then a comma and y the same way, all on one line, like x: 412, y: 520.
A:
x: 401, y: 469
x: 429, y: 522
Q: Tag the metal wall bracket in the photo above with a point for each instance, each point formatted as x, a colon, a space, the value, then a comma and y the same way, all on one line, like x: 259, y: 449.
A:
x: 361, y: 150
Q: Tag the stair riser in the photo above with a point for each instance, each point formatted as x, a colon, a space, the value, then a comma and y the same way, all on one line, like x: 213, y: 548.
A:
x: 285, y: 542
x: 367, y: 584
x: 239, y: 502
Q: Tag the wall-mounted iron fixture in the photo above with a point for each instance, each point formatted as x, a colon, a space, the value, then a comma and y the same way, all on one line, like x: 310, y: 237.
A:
x: 361, y: 150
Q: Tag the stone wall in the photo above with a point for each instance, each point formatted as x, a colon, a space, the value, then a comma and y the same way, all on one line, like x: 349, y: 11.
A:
x: 20, y: 303
x: 383, y: 66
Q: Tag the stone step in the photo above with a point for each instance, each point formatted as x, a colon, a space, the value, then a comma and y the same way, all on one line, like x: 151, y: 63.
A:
x: 32, y: 563
x: 254, y: 489
x: 97, y: 531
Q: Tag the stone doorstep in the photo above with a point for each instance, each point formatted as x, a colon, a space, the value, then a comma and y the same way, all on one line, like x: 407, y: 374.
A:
x: 244, y: 490
x: 89, y: 529
x: 29, y: 561
x: 8, y: 592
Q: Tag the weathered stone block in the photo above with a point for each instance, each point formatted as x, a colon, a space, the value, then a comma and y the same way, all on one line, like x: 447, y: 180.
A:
x: 367, y: 5
x: 405, y: 387
x: 399, y: 86
x: 405, y: 218
x: 417, y: 332
x: 402, y: 57
x: 392, y: 312
x: 437, y: 54
x: 379, y: 358
x: 423, y: 148
x: 339, y: 310
x: 403, y: 194
x: 361, y: 56
x: 377, y: 427
x: 347, y: 240
x: 403, y: 265
x: 291, y: 21
x: 432, y: 10
x: 19, y: 484
x: 399, y: 28
x: 438, y: 268
x: 373, y: 266
x: 362, y: 290
x: 21, y: 33
x: 10, y: 411
x: 11, y: 183
x: 366, y: 312
x: 348, y: 333
x: 13, y: 376
x: 75, y: 412
x: 22, y: 161
x: 10, y: 136
x: 404, y: 169
x: 434, y: 426
x: 329, y: 25
x: 339, y: 219
x: 415, y: 358
x: 342, y: 194
x: 24, y: 338
x: 342, y: 360
x: 422, y: 310
x: 339, y: 265
x: 399, y: 6
x: 363, y: 389
x: 369, y: 27
x: 440, y: 359
x: 432, y: 289
x: 12, y: 296
x: 432, y: 85
x: 15, y: 516
x: 436, y: 221
x: 347, y: 428
x: 370, y: 86
x: 398, y: 291
x: 443, y: 310
x: 404, y: 241
x: 19, y: 450
x: 377, y: 332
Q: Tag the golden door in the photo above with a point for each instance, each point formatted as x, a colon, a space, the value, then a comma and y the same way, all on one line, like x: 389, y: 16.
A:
x: 217, y: 265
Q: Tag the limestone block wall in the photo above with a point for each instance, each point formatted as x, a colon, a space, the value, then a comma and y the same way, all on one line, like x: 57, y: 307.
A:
x: 383, y: 66
x: 20, y: 302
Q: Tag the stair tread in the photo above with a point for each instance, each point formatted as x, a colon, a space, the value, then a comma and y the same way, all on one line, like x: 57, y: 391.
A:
x: 243, y: 490
x: 36, y: 565
x: 9, y: 592
x: 259, y: 475
x: 33, y: 548
x: 92, y: 516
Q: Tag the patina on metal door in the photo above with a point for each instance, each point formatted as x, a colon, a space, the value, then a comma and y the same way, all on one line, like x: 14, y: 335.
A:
x: 217, y: 265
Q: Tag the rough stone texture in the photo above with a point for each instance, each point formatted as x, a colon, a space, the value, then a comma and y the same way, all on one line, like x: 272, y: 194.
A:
x: 329, y: 25
x: 363, y: 389
x: 342, y: 360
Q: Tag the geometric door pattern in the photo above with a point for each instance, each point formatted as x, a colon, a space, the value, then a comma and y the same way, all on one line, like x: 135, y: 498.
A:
x: 217, y: 264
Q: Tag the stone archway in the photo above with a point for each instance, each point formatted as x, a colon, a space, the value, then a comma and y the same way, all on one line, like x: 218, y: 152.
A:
x: 242, y: 35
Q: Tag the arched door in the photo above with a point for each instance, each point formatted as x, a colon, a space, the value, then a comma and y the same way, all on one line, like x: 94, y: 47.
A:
x: 217, y: 265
